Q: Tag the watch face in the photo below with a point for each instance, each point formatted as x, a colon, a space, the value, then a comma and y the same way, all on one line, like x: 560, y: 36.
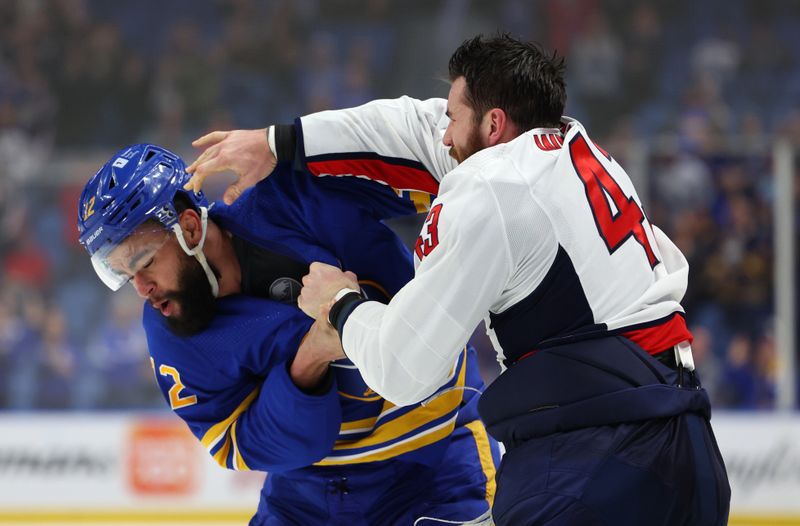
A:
x: 285, y: 290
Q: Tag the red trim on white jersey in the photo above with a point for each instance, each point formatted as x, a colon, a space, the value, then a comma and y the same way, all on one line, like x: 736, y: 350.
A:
x: 396, y: 176
x: 654, y: 339
x: 548, y: 141
x: 663, y: 336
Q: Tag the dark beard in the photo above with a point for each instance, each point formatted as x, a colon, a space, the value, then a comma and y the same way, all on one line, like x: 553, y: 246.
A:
x: 197, y: 303
x: 472, y: 147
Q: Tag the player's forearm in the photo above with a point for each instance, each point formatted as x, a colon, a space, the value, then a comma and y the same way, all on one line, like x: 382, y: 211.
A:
x: 393, y: 355
x: 277, y: 427
x: 287, y: 427
x: 310, y: 366
x: 387, y: 131
x: 406, y: 349
x: 309, y: 375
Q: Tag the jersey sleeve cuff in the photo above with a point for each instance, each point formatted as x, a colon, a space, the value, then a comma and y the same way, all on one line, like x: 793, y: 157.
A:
x: 342, y: 309
x: 285, y: 142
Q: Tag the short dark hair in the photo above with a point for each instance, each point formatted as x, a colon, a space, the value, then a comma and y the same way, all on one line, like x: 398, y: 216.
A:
x: 518, y: 77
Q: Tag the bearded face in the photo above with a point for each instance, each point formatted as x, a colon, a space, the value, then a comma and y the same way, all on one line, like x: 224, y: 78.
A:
x: 194, y: 303
x: 472, y: 144
x: 463, y: 134
x: 173, y: 282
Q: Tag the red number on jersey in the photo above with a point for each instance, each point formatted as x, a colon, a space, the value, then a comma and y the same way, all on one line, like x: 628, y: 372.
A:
x: 429, y: 237
x: 614, y: 227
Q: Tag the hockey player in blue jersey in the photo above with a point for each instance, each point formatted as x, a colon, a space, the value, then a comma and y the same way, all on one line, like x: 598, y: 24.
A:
x: 223, y: 332
x: 538, y: 231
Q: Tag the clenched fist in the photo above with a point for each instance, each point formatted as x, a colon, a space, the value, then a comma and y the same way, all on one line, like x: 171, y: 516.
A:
x: 320, y: 285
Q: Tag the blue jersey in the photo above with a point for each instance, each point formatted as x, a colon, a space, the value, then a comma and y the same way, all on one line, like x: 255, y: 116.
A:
x: 231, y: 384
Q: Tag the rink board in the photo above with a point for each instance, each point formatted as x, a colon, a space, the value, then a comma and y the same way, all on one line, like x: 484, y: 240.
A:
x: 123, y: 468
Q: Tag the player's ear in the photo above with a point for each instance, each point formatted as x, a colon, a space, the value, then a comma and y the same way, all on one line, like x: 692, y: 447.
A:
x: 192, y: 227
x: 500, y: 127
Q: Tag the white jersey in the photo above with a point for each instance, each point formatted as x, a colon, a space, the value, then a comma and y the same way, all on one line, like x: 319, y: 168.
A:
x: 543, y: 237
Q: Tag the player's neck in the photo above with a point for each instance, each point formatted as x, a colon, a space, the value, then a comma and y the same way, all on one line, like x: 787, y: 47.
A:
x: 222, y: 258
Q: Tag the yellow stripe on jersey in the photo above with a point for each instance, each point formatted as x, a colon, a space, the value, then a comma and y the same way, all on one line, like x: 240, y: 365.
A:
x: 360, y: 398
x: 365, y: 423
x: 238, y: 462
x: 421, y: 200
x: 439, y: 406
x: 215, y: 432
x: 486, y: 459
x: 221, y: 456
x: 426, y: 438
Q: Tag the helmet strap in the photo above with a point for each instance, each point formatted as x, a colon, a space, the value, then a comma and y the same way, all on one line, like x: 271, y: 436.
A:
x: 197, y: 251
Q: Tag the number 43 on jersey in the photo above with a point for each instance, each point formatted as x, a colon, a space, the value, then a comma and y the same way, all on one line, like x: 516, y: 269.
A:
x: 615, y: 227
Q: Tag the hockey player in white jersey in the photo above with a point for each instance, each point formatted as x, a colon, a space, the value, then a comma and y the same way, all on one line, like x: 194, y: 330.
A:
x: 539, y: 232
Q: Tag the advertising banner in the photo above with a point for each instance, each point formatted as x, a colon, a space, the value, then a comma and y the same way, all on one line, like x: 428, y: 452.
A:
x: 132, y: 465
x: 120, y: 467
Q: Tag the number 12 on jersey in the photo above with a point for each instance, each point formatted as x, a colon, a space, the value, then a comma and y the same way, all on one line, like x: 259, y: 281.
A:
x: 614, y: 227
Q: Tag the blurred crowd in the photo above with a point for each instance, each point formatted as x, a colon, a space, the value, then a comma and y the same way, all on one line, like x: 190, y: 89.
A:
x: 703, y: 88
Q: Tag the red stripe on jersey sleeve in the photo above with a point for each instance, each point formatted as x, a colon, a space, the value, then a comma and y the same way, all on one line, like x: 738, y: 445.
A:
x: 661, y: 337
x: 396, y: 176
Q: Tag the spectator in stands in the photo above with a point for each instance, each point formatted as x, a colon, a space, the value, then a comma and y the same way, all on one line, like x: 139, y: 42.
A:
x: 77, y: 74
x: 118, y: 363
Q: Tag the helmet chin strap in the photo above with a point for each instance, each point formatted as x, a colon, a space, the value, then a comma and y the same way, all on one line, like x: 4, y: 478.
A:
x: 197, y: 251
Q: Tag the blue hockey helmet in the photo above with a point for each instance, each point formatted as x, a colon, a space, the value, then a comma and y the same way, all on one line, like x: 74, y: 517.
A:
x: 138, y: 183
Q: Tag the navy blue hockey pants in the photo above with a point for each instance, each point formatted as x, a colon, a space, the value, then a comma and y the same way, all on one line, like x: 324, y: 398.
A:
x: 617, y: 475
